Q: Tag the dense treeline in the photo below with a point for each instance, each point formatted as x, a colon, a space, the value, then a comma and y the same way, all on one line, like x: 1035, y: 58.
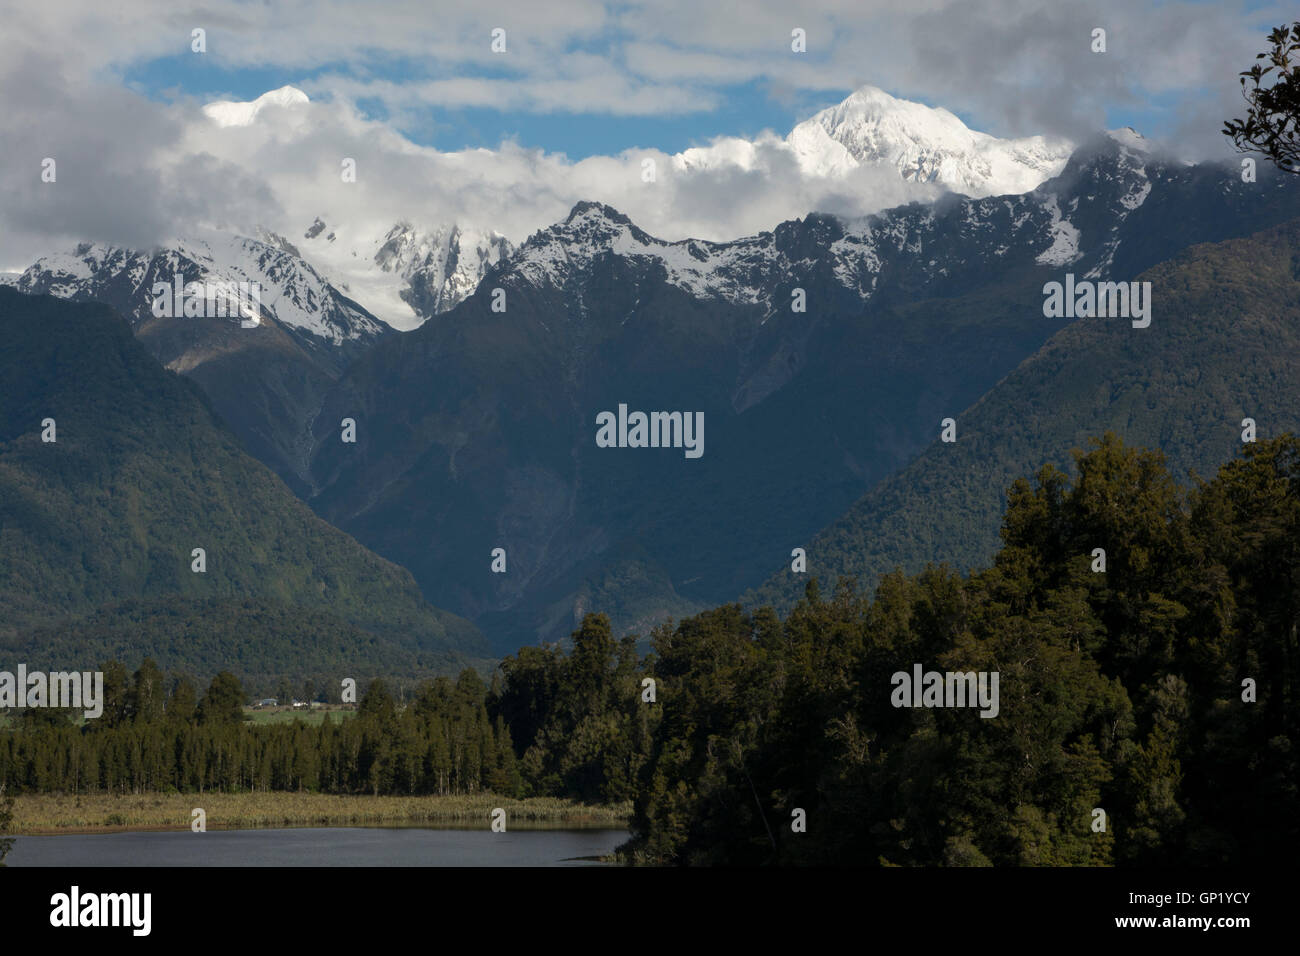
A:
x: 442, y: 742
x: 1120, y: 690
x: 1160, y: 690
x: 269, y: 644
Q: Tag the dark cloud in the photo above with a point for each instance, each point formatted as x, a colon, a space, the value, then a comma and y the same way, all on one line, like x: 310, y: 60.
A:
x: 116, y: 175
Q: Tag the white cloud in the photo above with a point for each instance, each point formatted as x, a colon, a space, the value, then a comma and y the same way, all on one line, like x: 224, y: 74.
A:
x: 134, y: 171
x: 1015, y: 66
x: 277, y: 163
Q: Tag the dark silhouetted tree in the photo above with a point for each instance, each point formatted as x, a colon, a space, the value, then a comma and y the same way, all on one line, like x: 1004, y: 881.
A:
x: 1272, y: 123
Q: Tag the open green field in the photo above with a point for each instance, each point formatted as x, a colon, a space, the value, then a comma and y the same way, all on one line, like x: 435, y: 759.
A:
x: 101, y: 813
x: 312, y: 718
x: 286, y: 715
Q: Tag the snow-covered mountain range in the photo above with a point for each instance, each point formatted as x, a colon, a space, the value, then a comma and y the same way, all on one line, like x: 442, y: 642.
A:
x: 911, y: 314
x: 1036, y: 227
x: 923, y: 144
x: 292, y: 292
x: 337, y: 283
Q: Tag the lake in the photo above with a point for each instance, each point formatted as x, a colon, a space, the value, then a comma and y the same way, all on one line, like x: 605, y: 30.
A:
x: 320, y: 846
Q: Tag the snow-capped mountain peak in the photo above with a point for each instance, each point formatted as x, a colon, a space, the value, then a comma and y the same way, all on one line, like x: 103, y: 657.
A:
x: 926, y: 144
x: 1130, y: 138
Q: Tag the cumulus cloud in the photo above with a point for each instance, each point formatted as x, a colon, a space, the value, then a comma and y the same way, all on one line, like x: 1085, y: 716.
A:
x: 135, y: 171
x: 120, y: 172
x: 171, y: 169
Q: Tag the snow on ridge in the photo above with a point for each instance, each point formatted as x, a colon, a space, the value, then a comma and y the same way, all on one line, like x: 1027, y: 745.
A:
x: 702, y: 268
x: 297, y: 295
x: 746, y: 271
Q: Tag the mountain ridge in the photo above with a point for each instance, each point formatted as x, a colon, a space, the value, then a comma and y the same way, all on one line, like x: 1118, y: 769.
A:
x: 477, y: 431
x: 1239, y: 297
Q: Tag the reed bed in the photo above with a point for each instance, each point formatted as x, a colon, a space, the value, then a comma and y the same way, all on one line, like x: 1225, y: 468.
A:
x: 102, y: 813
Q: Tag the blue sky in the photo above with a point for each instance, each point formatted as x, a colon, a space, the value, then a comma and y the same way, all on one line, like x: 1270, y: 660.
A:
x: 742, y: 109
x: 745, y: 110
x: 596, y: 77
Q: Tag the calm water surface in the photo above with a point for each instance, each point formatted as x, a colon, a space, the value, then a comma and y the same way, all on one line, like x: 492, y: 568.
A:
x: 319, y: 846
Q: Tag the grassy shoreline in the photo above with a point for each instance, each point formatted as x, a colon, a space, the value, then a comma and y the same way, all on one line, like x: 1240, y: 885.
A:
x: 47, y: 814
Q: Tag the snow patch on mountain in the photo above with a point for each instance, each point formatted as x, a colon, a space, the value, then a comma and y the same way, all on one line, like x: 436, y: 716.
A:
x: 1065, y: 238
x: 1131, y: 159
x: 63, y: 274
x: 292, y: 289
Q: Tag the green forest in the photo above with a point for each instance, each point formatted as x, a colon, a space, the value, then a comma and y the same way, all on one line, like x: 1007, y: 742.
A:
x: 1162, y: 691
x: 98, y: 528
